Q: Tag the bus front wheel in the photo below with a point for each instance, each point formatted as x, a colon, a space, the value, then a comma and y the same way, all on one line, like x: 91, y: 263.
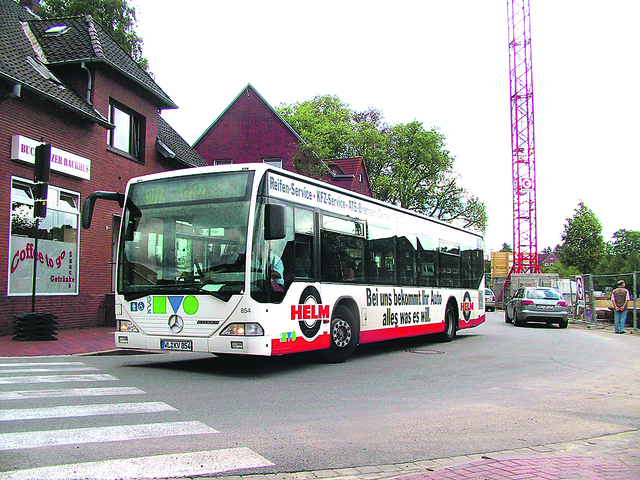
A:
x: 344, y: 336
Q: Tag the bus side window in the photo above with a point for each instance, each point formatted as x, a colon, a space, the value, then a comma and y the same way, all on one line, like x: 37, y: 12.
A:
x: 406, y: 261
x: 427, y: 262
x: 303, y: 265
x: 449, y: 264
x: 303, y: 249
x: 331, y: 268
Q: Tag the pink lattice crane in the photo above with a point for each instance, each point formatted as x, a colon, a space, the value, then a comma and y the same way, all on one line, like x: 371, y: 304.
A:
x: 523, y: 166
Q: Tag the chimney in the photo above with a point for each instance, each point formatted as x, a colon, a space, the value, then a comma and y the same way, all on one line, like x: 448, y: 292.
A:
x: 33, y: 5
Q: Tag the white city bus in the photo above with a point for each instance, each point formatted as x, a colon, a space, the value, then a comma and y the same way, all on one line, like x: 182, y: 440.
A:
x: 251, y: 259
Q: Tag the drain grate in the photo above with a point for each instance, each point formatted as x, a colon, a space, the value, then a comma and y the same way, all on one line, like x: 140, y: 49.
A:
x: 426, y: 352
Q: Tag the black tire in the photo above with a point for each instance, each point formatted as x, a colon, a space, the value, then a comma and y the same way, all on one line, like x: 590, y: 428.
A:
x: 310, y: 331
x: 344, y: 336
x: 563, y: 323
x: 506, y: 317
x: 450, y: 327
x: 516, y: 322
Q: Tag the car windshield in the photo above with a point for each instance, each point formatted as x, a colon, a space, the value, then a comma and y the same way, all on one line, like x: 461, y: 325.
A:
x: 185, y: 235
x: 544, y: 294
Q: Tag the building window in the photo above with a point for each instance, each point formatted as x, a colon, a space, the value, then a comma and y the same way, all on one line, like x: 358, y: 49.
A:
x: 226, y: 161
x: 274, y: 162
x: 57, y: 267
x: 126, y: 136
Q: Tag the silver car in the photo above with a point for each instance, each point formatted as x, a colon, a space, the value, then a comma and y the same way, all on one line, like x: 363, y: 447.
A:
x: 489, y: 300
x: 537, y: 304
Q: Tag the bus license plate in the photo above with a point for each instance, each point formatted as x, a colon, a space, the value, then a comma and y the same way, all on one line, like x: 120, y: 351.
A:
x: 181, y: 345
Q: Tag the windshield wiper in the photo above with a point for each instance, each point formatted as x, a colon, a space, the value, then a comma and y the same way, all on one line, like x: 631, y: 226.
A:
x: 169, y: 288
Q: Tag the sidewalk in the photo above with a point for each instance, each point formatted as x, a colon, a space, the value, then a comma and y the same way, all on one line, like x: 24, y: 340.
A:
x: 70, y: 342
x: 615, y: 457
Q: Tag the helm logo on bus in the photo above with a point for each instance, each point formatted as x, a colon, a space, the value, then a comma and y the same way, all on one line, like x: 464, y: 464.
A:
x: 310, y: 317
x: 467, y: 306
x: 309, y: 311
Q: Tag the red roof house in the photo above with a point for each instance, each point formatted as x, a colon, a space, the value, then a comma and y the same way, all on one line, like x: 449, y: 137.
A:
x: 350, y: 174
x: 250, y: 130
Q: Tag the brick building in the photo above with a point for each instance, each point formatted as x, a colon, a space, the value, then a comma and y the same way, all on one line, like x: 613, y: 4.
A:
x: 67, y: 83
x: 249, y: 130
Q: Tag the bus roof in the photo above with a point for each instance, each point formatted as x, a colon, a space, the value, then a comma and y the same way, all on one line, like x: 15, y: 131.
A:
x: 263, y: 169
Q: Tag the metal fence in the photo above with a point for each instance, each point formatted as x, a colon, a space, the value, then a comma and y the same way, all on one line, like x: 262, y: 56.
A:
x: 596, y: 296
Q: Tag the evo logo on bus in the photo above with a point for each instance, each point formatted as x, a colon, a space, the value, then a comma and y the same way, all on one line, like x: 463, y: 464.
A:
x: 157, y: 304
x: 467, y: 306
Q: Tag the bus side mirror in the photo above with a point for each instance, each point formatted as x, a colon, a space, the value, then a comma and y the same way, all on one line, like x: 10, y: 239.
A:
x: 90, y: 201
x: 274, y: 222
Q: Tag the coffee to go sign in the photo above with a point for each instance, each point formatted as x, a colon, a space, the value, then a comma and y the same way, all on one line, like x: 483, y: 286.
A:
x: 24, y: 149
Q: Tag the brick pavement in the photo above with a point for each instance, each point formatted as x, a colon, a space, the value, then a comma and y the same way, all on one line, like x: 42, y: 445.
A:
x: 70, y: 342
x: 614, y: 457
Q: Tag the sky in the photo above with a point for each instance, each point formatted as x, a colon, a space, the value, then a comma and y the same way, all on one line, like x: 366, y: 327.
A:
x: 444, y: 63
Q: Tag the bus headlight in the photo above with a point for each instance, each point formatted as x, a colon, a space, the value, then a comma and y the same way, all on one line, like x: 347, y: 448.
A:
x: 243, y: 330
x: 127, y: 326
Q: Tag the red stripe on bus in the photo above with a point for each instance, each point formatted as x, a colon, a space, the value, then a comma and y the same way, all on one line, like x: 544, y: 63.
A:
x: 369, y: 336
x: 474, y: 322
x: 300, y: 344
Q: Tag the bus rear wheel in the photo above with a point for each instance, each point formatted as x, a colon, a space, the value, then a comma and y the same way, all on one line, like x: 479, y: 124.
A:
x: 450, y: 320
x: 344, y: 336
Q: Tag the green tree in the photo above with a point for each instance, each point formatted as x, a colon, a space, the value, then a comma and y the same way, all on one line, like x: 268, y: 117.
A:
x: 623, y: 254
x: 115, y: 16
x: 506, y: 247
x: 625, y: 242
x: 408, y: 165
x: 583, y: 244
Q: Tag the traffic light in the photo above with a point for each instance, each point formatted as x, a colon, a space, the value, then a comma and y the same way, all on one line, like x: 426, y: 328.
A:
x: 40, y: 208
x: 43, y: 163
x: 40, y: 192
x: 41, y: 175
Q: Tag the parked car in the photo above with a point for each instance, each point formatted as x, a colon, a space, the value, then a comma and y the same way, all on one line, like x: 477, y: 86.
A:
x: 537, y: 304
x: 489, y: 300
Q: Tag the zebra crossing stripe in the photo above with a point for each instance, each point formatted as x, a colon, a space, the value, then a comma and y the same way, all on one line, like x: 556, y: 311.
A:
x: 98, y: 377
x: 73, y: 436
x: 162, y: 466
x: 80, y: 368
x: 83, y: 411
x: 36, y: 364
x: 70, y: 392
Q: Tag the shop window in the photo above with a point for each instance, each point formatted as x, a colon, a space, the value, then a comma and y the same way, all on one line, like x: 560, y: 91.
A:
x: 57, y: 233
x: 126, y: 137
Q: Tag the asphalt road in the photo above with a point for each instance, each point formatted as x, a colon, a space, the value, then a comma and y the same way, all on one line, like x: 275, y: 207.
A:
x: 495, y: 387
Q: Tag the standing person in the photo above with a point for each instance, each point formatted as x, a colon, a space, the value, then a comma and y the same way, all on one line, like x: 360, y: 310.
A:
x: 620, y: 296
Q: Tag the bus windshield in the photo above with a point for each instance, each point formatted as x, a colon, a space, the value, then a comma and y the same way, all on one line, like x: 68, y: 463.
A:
x: 185, y: 235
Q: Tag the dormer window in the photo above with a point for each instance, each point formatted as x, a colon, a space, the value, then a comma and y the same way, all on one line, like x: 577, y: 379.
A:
x: 126, y: 136
x: 56, y: 30
x: 274, y: 162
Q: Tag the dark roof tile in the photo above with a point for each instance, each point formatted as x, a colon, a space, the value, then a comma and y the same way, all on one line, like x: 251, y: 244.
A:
x: 20, y: 63
x: 86, y: 41
x: 175, y: 144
